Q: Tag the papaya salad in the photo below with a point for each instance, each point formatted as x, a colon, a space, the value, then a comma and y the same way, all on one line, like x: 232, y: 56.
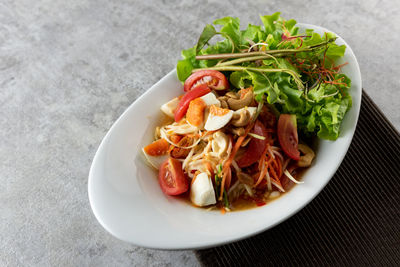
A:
x: 251, y: 105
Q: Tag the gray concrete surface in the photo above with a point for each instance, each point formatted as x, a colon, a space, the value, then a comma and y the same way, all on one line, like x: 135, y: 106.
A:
x: 68, y: 69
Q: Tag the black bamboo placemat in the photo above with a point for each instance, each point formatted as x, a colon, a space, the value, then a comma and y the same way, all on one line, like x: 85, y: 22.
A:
x: 354, y: 221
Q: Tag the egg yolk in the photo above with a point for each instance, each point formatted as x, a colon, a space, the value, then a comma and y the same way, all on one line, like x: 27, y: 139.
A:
x: 217, y: 111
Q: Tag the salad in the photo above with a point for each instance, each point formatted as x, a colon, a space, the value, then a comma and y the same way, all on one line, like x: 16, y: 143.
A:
x: 241, y: 132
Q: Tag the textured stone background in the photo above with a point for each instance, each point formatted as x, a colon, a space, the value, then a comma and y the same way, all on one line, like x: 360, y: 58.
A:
x: 68, y: 69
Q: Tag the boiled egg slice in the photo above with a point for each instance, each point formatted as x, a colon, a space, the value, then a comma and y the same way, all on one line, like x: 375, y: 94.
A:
x: 210, y: 99
x: 170, y: 107
x: 196, y: 111
x: 155, y: 161
x: 202, y: 191
x: 217, y: 118
x: 219, y: 143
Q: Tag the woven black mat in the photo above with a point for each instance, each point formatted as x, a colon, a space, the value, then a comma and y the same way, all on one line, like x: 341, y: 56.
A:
x: 355, y: 221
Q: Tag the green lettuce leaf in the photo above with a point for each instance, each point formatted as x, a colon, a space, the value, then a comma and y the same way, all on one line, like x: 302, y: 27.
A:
x: 319, y: 108
x: 187, y: 64
x: 208, y: 32
x: 230, y: 28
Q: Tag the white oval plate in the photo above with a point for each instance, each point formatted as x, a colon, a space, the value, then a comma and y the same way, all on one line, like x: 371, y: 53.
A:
x: 128, y: 202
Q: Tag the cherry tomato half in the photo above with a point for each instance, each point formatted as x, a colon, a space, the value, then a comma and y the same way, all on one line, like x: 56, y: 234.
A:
x: 285, y: 181
x: 287, y: 135
x: 171, y: 178
x: 213, y: 78
x: 183, y: 105
x: 256, y: 146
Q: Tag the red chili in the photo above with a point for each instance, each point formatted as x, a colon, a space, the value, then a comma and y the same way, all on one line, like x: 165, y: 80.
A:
x: 259, y: 202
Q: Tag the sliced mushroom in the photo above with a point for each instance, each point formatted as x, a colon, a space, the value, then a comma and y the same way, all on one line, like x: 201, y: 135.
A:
x: 220, y: 143
x: 238, y: 131
x: 241, y: 119
x: 245, y: 179
x: 236, y: 104
x: 307, y: 158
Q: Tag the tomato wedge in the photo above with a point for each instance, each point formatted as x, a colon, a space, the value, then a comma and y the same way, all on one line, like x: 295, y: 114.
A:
x: 213, y: 78
x: 171, y: 178
x: 183, y: 105
x: 285, y: 181
x: 256, y: 146
x: 287, y: 135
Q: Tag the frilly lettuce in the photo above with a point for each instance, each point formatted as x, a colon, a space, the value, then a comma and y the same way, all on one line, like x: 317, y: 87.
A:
x: 319, y: 108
